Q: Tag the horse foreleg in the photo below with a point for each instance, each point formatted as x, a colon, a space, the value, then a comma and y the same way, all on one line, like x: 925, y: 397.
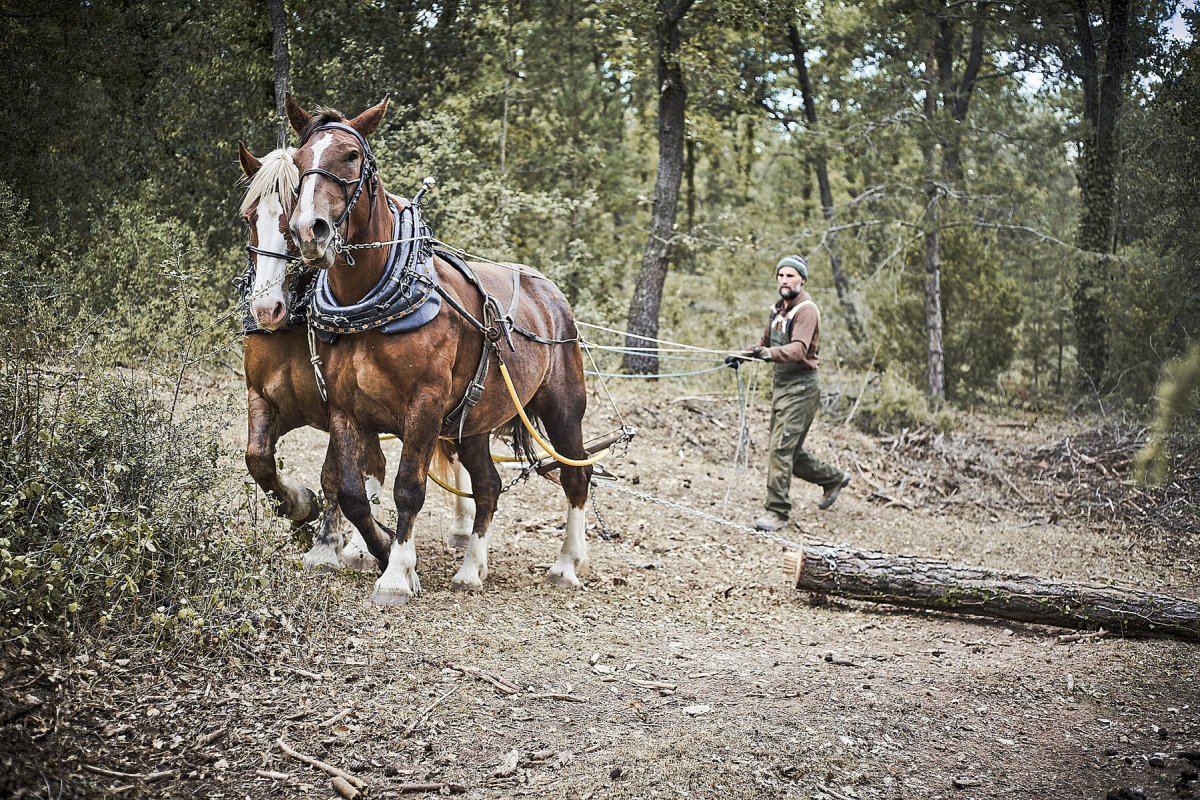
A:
x: 289, y: 498
x: 399, y: 582
x: 356, y: 555
x: 477, y: 460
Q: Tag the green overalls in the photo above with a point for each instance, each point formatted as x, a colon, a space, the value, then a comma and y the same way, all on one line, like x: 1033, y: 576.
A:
x: 794, y: 402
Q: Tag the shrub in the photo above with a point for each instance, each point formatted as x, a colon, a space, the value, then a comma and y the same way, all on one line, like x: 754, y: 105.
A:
x: 892, y: 403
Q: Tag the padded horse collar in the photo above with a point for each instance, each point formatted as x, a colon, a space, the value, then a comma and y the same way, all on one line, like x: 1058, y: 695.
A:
x: 366, y: 173
x: 403, y: 299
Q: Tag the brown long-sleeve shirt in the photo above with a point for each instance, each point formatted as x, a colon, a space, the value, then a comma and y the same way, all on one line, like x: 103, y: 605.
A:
x: 804, y: 346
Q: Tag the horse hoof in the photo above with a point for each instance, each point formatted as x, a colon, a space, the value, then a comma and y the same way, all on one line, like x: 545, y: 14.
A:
x: 381, y: 598
x: 304, y: 510
x: 321, y: 561
x: 361, y: 563
x: 458, y: 541
x: 466, y: 585
x: 563, y: 581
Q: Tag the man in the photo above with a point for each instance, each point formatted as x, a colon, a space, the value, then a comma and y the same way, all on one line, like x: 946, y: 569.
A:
x: 791, y: 342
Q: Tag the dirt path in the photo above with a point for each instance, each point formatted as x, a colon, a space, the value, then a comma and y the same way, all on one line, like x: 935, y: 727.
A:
x: 687, y: 666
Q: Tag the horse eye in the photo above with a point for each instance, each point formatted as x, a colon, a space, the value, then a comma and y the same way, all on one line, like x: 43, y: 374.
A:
x: 352, y: 157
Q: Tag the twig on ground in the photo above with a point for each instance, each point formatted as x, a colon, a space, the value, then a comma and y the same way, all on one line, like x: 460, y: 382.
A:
x: 408, y: 729
x: 1079, y: 637
x: 275, y: 776
x: 566, y: 698
x: 504, y: 685
x: 148, y: 777
x: 344, y: 789
x: 328, y: 769
x: 452, y: 788
x: 209, y: 738
x: 336, y: 718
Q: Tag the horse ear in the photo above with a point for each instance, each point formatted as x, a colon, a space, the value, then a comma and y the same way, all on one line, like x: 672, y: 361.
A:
x: 296, y: 115
x: 366, y: 122
x: 250, y: 162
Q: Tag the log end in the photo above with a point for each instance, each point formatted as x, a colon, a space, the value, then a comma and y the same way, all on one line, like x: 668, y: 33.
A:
x: 793, y: 563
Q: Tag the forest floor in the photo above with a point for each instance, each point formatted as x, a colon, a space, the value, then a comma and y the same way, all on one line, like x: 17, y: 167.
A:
x: 688, y: 665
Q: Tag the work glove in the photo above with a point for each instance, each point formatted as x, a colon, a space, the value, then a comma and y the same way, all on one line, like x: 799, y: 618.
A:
x: 760, y: 352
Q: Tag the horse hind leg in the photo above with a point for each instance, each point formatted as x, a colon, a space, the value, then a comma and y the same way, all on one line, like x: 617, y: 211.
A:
x: 326, y: 551
x: 449, y: 467
x: 476, y: 458
x: 356, y: 555
x: 563, y: 421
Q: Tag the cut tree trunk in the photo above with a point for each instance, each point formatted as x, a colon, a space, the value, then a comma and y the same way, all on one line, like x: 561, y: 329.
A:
x: 929, y: 583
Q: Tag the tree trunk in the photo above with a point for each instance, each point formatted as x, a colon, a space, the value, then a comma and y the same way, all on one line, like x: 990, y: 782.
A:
x: 672, y: 102
x: 840, y: 281
x: 279, y: 59
x: 1102, y: 90
x: 933, y: 265
x: 930, y: 583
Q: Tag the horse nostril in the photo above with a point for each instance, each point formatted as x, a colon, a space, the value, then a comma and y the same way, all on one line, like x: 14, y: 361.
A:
x: 320, y: 230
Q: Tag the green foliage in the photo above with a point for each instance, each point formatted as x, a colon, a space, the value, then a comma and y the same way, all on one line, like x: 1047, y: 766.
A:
x: 1178, y: 397
x: 113, y: 513
x: 892, y: 403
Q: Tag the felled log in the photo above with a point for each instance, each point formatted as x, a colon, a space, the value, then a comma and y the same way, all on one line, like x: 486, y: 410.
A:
x: 929, y: 583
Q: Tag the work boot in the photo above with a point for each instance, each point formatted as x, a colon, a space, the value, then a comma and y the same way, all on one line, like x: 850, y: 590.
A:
x: 831, y: 492
x: 771, y: 522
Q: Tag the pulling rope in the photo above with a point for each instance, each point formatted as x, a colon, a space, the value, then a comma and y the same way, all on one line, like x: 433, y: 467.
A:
x: 537, y: 437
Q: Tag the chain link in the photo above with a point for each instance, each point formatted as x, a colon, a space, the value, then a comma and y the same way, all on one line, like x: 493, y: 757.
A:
x: 695, y: 513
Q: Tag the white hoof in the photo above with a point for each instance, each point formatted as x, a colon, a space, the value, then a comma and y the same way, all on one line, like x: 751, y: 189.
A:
x: 380, y: 598
x: 470, y: 581
x: 563, y: 573
x: 322, y: 557
x: 357, y: 557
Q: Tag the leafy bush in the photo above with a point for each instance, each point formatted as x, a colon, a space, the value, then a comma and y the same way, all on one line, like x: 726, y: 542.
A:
x: 892, y: 403
x: 113, y: 506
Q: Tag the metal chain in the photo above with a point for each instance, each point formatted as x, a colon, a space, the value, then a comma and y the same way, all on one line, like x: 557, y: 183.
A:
x: 701, y: 514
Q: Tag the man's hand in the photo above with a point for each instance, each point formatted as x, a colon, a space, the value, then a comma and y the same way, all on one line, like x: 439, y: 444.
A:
x: 760, y: 352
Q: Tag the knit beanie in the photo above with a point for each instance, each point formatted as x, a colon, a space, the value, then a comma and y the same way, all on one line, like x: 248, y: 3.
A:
x: 796, y: 263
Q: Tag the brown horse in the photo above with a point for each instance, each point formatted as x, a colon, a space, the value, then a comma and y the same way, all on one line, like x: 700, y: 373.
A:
x: 281, y: 389
x: 411, y: 383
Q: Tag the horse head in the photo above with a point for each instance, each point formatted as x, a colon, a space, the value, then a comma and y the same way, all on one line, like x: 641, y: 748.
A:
x: 336, y: 170
x: 265, y: 208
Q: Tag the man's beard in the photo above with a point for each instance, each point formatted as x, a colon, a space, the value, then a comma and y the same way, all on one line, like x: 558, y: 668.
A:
x: 788, y: 294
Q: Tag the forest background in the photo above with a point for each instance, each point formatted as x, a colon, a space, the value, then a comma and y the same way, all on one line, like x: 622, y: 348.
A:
x: 997, y: 201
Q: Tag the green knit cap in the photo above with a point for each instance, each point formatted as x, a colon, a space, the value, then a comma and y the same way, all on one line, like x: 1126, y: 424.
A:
x: 796, y: 263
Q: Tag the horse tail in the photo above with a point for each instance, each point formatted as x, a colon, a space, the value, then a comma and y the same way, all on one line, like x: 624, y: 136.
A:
x: 439, y: 466
x: 520, y: 441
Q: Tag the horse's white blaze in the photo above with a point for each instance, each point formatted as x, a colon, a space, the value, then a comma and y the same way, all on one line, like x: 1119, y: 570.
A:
x: 399, y: 581
x: 269, y: 273
x: 464, y: 509
x: 573, y: 555
x: 309, y: 187
x: 474, y: 568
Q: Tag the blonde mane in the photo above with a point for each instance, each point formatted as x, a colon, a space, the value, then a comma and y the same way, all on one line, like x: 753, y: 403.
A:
x: 278, y: 174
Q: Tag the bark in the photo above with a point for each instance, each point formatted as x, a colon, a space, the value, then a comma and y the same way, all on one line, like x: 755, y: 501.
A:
x: 933, y: 265
x: 929, y: 583
x: 840, y: 281
x: 279, y: 59
x: 672, y: 103
x: 1103, y: 82
x: 956, y: 92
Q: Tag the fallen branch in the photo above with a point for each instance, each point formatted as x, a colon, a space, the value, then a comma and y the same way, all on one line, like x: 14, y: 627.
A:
x: 930, y: 583
x: 328, y: 769
x: 336, y: 718
x: 1079, y: 637
x: 566, y: 698
x: 343, y: 788
x: 420, y: 717
x: 148, y: 777
x: 451, y: 788
x: 275, y: 776
x: 505, y: 686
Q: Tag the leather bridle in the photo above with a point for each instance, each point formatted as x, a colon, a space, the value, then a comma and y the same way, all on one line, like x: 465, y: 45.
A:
x: 365, y: 179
